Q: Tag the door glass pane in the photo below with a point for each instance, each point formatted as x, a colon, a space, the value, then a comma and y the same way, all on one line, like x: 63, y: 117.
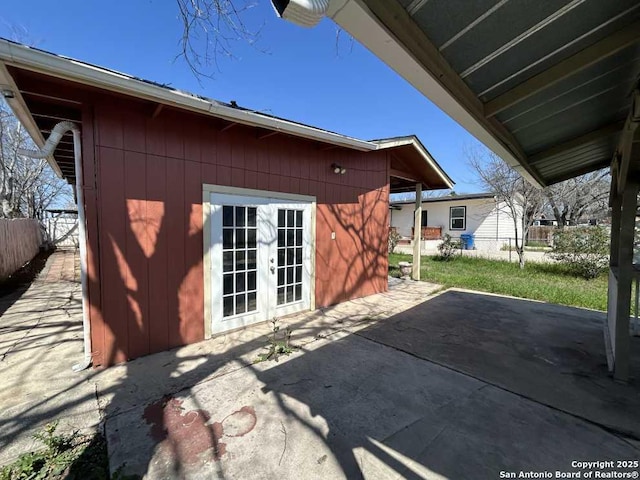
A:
x: 241, y: 305
x: 240, y: 282
x: 251, y: 217
x: 240, y: 211
x: 290, y: 245
x: 240, y: 260
x: 227, y: 261
x: 251, y: 280
x: 227, y: 238
x: 251, y: 259
x: 281, y: 299
x: 227, y: 287
x: 252, y: 303
x: 240, y: 236
x: 251, y: 238
x: 227, y: 216
x: 227, y: 306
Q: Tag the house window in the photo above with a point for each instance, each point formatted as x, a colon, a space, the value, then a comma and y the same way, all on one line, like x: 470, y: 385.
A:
x: 424, y: 218
x: 457, y: 218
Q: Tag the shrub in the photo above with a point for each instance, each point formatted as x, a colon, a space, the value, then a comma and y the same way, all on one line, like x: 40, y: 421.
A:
x: 448, y: 247
x: 584, y: 250
x: 394, y: 238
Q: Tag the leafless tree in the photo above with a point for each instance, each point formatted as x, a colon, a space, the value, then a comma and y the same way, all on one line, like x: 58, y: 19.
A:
x: 209, y: 30
x: 523, y: 202
x: 27, y: 186
x: 580, y: 197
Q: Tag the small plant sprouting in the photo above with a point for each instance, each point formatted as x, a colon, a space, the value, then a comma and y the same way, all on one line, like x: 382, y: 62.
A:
x: 277, y: 344
x: 72, y: 456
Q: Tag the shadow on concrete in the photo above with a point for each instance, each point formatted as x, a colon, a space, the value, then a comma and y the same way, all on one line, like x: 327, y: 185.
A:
x: 549, y: 353
x: 12, y: 288
x: 500, y: 374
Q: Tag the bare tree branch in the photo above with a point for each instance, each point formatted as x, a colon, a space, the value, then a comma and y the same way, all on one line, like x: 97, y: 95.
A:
x: 209, y: 30
x: 523, y: 202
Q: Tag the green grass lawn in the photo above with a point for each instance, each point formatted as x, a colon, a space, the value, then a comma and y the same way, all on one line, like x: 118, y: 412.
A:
x: 547, y: 282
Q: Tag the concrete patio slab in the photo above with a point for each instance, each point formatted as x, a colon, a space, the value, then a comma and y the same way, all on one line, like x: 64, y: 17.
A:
x: 350, y: 405
x: 411, y: 383
x: 40, y: 340
x: 351, y: 408
x: 552, y: 354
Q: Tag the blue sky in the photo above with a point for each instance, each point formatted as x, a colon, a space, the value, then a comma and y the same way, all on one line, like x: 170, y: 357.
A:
x: 300, y: 74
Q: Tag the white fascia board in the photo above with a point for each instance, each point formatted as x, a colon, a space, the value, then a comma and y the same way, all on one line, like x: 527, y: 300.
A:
x: 401, y: 142
x: 362, y: 25
x: 72, y: 70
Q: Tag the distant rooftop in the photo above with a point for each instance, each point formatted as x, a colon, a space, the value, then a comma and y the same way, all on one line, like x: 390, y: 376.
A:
x: 450, y: 198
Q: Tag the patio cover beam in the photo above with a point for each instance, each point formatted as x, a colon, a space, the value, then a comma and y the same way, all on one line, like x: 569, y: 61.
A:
x: 565, y: 68
x: 577, y: 142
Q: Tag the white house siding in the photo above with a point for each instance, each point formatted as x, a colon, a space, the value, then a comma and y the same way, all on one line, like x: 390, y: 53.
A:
x: 491, y: 226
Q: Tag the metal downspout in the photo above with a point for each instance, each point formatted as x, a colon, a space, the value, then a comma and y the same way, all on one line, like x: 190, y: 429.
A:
x: 47, y: 150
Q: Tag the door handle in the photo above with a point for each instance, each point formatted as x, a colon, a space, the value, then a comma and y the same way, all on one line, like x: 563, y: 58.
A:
x: 273, y: 269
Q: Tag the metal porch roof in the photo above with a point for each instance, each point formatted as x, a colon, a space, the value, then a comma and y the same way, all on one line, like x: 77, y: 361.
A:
x: 546, y: 85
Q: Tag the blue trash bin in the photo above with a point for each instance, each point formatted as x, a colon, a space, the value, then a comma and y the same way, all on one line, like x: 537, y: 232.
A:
x: 467, y: 241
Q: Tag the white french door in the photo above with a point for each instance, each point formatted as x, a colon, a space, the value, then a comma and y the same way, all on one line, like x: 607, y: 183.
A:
x: 260, y: 259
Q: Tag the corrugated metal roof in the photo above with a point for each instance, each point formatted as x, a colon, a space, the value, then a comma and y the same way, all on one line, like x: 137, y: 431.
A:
x: 535, y: 75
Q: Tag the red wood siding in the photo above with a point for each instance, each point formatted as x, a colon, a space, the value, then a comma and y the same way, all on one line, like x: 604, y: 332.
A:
x: 146, y: 219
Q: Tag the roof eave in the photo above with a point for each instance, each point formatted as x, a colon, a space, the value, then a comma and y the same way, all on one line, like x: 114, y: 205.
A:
x: 413, y: 141
x: 72, y: 70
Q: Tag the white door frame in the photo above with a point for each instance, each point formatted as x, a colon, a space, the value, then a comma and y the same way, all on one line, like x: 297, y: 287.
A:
x: 207, y: 190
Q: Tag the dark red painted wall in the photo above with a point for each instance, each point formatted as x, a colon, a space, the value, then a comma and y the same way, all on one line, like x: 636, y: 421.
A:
x: 145, y: 222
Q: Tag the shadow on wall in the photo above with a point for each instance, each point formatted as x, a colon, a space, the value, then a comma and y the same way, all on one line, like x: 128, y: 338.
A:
x: 356, y: 263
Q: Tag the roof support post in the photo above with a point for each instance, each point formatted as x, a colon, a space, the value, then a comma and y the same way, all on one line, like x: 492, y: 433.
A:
x: 417, y: 233
x: 621, y: 276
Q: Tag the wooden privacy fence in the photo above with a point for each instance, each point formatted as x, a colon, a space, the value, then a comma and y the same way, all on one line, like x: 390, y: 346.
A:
x: 20, y: 240
x: 541, y: 234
